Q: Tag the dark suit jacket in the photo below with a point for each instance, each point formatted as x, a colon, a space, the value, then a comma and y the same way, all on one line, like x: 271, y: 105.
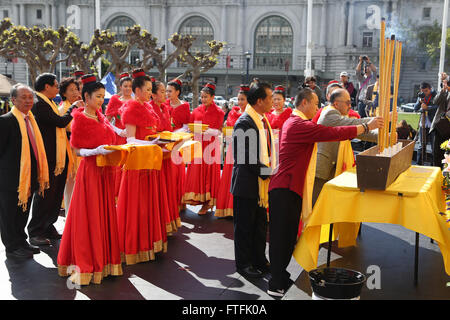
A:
x: 48, y: 121
x: 247, y: 167
x: 10, y: 153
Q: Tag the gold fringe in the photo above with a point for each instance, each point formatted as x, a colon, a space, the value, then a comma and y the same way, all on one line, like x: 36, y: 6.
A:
x: 173, y: 225
x: 86, y: 278
x: 144, y: 256
x: 195, y: 199
x: 221, y: 213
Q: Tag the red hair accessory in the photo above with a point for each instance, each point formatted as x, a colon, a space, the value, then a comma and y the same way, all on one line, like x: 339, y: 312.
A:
x: 124, y: 75
x: 279, y: 88
x: 176, y: 81
x: 88, y: 79
x: 211, y: 86
x: 78, y: 73
x: 138, y: 73
x: 153, y: 79
x: 244, y: 87
x: 332, y: 82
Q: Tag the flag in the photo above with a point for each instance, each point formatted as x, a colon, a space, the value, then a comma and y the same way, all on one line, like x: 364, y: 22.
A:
x: 110, y: 86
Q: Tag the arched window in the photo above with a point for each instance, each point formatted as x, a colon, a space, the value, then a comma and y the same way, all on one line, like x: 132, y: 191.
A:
x: 273, y: 43
x: 199, y: 28
x: 119, y: 25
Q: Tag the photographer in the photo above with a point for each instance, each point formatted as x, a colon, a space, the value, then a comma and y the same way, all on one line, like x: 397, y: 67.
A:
x: 425, y: 106
x: 366, y: 73
x: 311, y: 82
x: 441, y: 125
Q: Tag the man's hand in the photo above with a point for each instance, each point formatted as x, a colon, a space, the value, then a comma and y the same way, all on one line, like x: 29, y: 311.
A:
x: 375, y: 123
x: 424, y: 106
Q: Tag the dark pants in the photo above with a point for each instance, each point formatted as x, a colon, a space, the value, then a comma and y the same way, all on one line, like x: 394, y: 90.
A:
x: 13, y: 221
x: 285, y: 207
x: 429, y: 139
x: 250, y: 232
x: 45, y: 210
x: 438, y: 153
x: 318, y: 185
x: 362, y: 109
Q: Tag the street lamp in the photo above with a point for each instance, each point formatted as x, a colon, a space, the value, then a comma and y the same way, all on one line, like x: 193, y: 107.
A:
x: 248, y: 56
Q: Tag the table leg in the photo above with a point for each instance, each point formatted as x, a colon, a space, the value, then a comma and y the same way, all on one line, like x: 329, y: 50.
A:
x: 416, y: 260
x: 330, y: 241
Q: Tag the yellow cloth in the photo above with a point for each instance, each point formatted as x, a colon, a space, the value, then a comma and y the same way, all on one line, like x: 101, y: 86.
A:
x: 263, y: 154
x: 62, y: 143
x: 309, y: 179
x: 183, y: 143
x: 24, y: 189
x: 62, y: 110
x: 132, y: 157
x: 417, y: 209
x: 76, y: 159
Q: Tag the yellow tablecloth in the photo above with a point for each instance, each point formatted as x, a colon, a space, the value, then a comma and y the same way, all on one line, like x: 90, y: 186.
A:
x: 414, y: 201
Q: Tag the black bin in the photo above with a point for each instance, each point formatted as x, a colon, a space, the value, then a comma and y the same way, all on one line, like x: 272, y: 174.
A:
x: 336, y: 283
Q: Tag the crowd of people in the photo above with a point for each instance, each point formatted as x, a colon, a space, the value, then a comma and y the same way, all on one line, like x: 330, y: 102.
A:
x: 277, y: 160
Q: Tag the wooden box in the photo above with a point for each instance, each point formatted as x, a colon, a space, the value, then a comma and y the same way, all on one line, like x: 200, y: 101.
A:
x: 378, y: 172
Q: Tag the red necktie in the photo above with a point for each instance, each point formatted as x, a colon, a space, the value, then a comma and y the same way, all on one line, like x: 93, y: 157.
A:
x: 32, y: 139
x: 266, y: 127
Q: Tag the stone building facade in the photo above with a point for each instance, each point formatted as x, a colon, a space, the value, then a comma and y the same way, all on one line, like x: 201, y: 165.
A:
x: 272, y: 32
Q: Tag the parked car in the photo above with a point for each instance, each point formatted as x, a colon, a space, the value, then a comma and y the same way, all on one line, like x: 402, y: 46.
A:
x: 407, y: 107
x: 220, y: 101
x: 233, y: 102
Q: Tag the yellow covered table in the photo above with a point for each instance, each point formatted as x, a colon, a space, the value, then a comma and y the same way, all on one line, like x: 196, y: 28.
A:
x: 415, y: 201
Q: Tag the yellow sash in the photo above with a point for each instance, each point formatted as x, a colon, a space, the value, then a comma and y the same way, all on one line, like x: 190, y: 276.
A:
x: 62, y: 143
x: 309, y: 179
x: 24, y: 188
x: 263, y: 154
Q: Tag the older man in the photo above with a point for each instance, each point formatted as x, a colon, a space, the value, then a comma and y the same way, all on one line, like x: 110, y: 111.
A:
x: 366, y: 77
x: 336, y: 114
x: 20, y: 155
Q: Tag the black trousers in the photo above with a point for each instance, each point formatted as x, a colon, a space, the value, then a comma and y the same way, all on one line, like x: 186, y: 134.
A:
x: 250, y: 232
x: 285, y: 207
x: 12, y: 221
x: 438, y: 153
x: 45, y: 210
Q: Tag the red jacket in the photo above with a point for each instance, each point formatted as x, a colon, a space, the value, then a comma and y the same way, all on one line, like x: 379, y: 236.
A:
x: 297, y: 138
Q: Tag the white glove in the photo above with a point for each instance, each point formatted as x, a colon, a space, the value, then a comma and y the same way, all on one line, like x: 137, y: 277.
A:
x: 185, y: 128
x: 133, y: 140
x: 119, y: 132
x: 94, y: 152
x: 212, y: 132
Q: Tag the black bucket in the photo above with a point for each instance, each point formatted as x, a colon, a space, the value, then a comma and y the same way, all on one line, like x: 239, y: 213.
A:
x: 336, y: 283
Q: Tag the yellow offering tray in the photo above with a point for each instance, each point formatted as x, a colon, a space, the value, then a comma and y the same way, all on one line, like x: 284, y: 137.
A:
x: 227, y: 131
x: 197, y: 127
x: 168, y: 137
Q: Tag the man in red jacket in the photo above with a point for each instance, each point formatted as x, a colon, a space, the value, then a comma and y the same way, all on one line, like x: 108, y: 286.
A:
x: 286, y: 190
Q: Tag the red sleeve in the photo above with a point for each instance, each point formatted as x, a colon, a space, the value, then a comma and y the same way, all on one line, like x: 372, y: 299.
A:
x: 112, y: 109
x: 317, y: 116
x: 304, y: 131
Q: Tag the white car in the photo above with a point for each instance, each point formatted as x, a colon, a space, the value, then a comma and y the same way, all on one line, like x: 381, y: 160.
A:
x: 220, y: 101
x: 233, y: 101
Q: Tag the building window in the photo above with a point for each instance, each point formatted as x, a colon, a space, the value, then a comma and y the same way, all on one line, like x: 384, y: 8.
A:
x: 426, y: 14
x: 367, y: 39
x: 39, y: 14
x: 5, y: 14
x: 119, y: 26
x: 201, y: 30
x: 273, y: 43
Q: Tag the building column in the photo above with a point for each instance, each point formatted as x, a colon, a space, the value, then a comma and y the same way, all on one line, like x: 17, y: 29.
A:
x: 350, y: 25
x: 15, y: 14
x: 323, y: 24
x: 304, y: 21
x: 343, y: 24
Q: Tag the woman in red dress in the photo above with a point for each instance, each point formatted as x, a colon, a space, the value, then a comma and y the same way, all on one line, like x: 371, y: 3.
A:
x: 180, y: 112
x: 89, y: 249
x: 168, y: 174
x: 141, y: 231
x: 113, y: 114
x: 279, y: 113
x: 224, y: 205
x: 203, y: 177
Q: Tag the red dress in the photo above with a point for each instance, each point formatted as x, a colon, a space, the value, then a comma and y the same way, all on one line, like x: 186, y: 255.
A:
x: 113, y: 109
x: 168, y: 175
x: 180, y: 116
x: 89, y: 248
x: 277, y: 120
x: 203, y: 176
x: 224, y: 204
x: 141, y: 231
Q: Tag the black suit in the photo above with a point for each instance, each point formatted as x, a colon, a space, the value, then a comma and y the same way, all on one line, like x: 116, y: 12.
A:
x: 12, y: 218
x: 250, y: 220
x: 45, y: 209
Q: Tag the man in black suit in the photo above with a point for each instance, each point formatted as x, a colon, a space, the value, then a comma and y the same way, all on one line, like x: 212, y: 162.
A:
x: 12, y: 217
x: 250, y: 219
x: 45, y: 210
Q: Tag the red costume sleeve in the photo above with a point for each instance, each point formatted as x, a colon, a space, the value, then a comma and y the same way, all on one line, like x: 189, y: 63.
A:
x: 112, y: 109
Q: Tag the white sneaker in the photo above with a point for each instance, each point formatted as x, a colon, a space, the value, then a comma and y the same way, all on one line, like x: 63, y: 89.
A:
x: 276, y: 292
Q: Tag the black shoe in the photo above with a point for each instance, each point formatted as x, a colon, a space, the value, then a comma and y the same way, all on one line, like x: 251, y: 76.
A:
x: 265, y: 268
x: 250, y: 272
x: 20, y: 253
x: 39, y: 241
x: 53, y: 235
x: 278, y: 293
x: 32, y: 249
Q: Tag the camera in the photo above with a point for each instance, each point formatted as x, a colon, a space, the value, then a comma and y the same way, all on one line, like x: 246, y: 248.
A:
x: 365, y: 58
x: 303, y: 86
x: 421, y: 95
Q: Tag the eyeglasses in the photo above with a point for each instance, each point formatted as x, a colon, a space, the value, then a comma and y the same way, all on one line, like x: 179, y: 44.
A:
x: 348, y: 102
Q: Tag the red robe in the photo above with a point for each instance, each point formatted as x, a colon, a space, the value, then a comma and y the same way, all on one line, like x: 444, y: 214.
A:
x: 203, y: 177
x: 142, y: 232
x: 180, y: 115
x: 113, y: 109
x: 224, y: 205
x: 351, y: 113
x: 90, y: 243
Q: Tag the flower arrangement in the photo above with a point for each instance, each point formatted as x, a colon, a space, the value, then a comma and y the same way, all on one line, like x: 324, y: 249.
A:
x: 446, y: 173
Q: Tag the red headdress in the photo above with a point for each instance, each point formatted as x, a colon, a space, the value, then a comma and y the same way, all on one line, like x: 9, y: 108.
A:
x: 88, y: 79
x: 138, y: 73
